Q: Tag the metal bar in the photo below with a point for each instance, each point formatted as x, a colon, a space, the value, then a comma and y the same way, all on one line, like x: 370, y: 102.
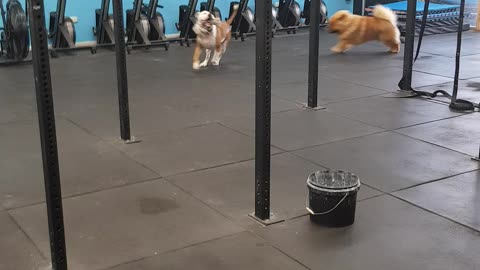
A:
x: 263, y: 73
x: 459, y: 51
x: 122, y: 82
x: 409, y: 45
x: 102, y: 30
x: 211, y: 5
x: 61, y: 11
x: 48, y: 136
x: 313, y: 54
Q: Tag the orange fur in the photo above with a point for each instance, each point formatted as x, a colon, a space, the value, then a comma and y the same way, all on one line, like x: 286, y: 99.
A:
x: 355, y: 30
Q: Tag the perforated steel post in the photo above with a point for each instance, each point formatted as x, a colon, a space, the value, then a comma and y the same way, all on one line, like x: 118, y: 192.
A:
x: 409, y: 45
x: 263, y: 74
x: 313, y: 54
x: 122, y: 81
x: 48, y: 134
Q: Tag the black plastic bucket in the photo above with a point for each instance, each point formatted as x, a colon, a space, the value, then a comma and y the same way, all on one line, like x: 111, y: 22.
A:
x: 332, y: 198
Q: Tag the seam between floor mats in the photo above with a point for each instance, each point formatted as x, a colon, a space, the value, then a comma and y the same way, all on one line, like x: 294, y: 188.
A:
x: 114, y: 147
x: 424, y: 72
x: 26, y: 235
x: 88, y: 192
x: 386, y: 129
x: 173, y: 250
x: 434, y: 213
x: 302, y: 148
x: 285, y: 254
x: 388, y: 91
x: 431, y: 143
x: 396, y: 131
x: 432, y: 181
x: 18, y: 121
x: 325, y: 104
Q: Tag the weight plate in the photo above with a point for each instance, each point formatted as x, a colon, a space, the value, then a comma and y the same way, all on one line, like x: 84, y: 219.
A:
x: 16, y: 32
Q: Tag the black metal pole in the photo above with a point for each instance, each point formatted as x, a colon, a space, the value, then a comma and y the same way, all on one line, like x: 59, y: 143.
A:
x: 263, y: 77
x: 458, y: 53
x: 409, y: 45
x: 313, y: 54
x: 120, y: 51
x: 48, y: 134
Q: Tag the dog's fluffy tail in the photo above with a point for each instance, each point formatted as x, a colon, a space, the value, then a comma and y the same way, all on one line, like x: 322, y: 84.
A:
x: 384, y: 13
x: 234, y: 14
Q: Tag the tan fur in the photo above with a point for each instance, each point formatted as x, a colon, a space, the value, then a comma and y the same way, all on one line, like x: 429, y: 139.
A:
x: 355, y: 30
x: 222, y: 37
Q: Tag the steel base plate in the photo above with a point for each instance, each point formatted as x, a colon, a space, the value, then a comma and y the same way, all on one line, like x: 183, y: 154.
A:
x: 274, y: 219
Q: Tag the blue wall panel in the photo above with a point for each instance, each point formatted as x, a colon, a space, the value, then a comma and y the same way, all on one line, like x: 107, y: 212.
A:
x: 85, y: 11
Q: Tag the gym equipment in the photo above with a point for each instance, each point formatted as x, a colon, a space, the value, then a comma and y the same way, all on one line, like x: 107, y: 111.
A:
x: 145, y: 25
x: 210, y: 7
x: 186, y: 20
x: 244, y: 22
x: 405, y: 83
x: 323, y: 12
x: 440, y: 18
x: 14, y: 35
x: 286, y: 17
x: 104, y: 24
x: 61, y: 29
x: 289, y: 13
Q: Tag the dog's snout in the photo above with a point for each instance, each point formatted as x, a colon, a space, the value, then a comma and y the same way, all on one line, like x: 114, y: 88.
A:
x: 210, y: 17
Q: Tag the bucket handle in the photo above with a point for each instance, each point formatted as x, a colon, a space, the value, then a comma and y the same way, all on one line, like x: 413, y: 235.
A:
x: 307, y: 203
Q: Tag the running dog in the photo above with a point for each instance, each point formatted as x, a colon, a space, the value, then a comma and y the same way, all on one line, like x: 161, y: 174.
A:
x: 212, y: 35
x: 355, y: 30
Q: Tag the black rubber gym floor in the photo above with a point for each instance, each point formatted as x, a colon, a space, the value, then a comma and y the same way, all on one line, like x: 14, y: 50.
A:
x: 180, y: 198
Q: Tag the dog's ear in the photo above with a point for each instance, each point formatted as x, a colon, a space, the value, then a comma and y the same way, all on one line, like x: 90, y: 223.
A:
x: 342, y: 15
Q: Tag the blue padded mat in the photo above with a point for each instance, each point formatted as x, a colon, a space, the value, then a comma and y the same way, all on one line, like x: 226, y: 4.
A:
x: 402, y: 6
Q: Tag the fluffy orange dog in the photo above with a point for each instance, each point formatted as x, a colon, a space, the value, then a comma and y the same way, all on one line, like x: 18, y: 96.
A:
x: 355, y: 30
x: 212, y: 35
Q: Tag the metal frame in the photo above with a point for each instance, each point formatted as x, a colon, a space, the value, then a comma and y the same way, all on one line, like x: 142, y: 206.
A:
x: 211, y: 6
x: 103, y: 29
x: 406, y: 83
x: 185, y: 26
x: 48, y: 136
x: 60, y: 28
x: 122, y: 82
x: 137, y: 27
x: 313, y: 54
x: 242, y: 15
x: 263, y: 108
x: 6, y: 61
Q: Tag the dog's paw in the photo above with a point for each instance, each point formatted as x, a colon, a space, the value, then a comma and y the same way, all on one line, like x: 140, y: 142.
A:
x: 196, y: 65
x: 215, y: 63
x: 336, y: 50
x: 203, y: 64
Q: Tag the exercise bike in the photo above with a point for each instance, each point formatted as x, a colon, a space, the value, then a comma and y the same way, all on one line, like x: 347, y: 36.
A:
x: 104, y: 25
x: 146, y: 26
x: 323, y: 13
x: 14, y: 35
x: 210, y: 7
x: 186, y: 20
x: 244, y: 23
x: 61, y: 30
x: 289, y: 13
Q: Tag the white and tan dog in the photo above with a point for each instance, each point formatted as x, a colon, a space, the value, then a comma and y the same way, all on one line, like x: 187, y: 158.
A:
x: 212, y: 35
